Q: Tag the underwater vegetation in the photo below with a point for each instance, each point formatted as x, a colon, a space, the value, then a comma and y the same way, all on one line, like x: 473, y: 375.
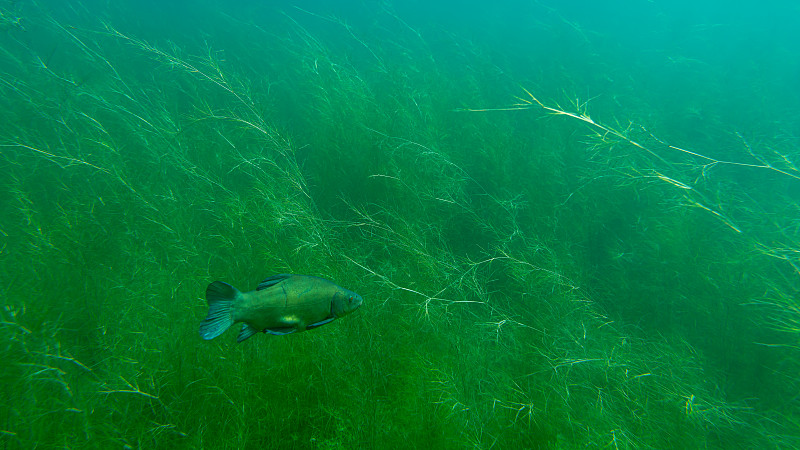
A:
x: 540, y: 268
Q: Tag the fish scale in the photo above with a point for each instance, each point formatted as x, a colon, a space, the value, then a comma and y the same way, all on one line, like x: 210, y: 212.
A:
x: 281, y: 304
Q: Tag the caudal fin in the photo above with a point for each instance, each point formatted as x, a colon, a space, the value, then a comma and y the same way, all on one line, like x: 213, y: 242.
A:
x: 220, y: 297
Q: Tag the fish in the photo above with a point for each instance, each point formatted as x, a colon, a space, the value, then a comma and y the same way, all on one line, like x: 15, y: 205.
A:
x: 281, y: 304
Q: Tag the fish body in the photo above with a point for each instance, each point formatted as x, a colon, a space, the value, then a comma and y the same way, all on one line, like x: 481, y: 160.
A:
x: 281, y: 304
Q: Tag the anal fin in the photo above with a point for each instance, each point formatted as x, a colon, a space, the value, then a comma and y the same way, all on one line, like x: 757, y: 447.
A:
x: 246, y: 332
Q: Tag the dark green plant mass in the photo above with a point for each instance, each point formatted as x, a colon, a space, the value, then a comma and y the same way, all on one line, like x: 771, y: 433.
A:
x: 565, y: 236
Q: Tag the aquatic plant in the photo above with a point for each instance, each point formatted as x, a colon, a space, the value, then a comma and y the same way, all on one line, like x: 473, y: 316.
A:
x: 527, y: 283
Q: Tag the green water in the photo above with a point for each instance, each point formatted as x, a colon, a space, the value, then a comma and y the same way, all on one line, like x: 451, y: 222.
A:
x: 571, y: 228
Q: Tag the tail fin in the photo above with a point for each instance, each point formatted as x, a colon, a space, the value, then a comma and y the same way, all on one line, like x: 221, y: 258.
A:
x: 220, y: 297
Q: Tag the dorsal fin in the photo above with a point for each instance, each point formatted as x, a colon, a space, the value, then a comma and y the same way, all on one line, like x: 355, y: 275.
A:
x: 272, y: 281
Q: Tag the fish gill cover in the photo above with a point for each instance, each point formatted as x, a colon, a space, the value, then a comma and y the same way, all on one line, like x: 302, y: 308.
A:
x: 576, y: 226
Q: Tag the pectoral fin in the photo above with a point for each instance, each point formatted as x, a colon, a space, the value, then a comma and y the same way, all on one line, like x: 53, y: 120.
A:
x: 320, y: 323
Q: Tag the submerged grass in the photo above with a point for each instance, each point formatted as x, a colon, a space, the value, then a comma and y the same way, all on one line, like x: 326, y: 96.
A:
x: 517, y: 293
